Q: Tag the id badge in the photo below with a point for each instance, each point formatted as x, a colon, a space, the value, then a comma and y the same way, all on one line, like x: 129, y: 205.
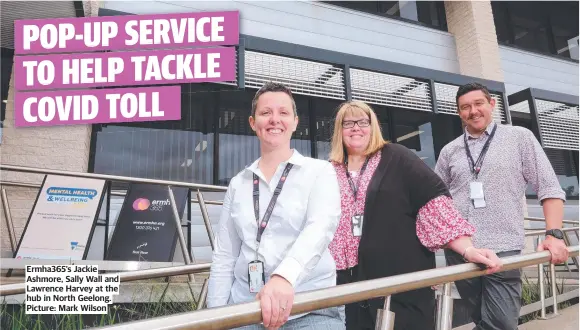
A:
x: 256, y: 277
x: 476, y: 194
x: 356, y: 224
x: 476, y: 190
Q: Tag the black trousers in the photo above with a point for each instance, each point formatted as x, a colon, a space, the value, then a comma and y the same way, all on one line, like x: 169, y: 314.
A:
x: 493, y: 301
x: 414, y: 314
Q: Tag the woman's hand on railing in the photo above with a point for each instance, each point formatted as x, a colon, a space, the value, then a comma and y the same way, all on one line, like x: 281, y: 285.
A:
x: 483, y: 256
x: 276, y: 299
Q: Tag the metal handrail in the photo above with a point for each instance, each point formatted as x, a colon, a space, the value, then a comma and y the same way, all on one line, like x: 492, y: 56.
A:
x: 573, y: 222
x: 250, y: 313
x: 113, y: 192
x: 541, y: 232
x: 26, y: 169
x: 19, y: 288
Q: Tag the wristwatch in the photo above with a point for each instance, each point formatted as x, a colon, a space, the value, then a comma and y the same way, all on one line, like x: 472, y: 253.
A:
x: 556, y: 233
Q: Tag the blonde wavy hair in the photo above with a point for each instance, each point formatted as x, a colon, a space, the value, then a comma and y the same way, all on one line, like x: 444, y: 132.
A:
x: 355, y: 109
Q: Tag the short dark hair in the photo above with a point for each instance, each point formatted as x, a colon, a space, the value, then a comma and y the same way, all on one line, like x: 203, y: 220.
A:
x: 470, y: 88
x: 272, y: 87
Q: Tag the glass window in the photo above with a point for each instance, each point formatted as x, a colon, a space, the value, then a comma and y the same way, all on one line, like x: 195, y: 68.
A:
x: 566, y: 169
x: 546, y: 27
x: 565, y: 30
x: 324, y: 111
x: 413, y: 129
x: 167, y: 150
x: 431, y: 13
x: 445, y: 128
x: 238, y: 144
x: 530, y: 32
x: 301, y: 140
x: 564, y: 163
x: 384, y: 117
x: 501, y: 22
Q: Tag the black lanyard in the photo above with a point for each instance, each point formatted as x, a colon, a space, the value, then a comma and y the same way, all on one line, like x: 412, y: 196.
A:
x: 352, y: 185
x: 475, y: 167
x: 262, y: 225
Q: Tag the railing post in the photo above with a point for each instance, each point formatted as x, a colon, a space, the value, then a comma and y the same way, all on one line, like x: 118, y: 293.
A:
x: 554, y: 290
x: 385, y: 318
x: 206, y: 221
x: 202, y: 295
x: 210, y: 234
x: 541, y: 282
x: 445, y: 317
x: 8, y: 217
x: 568, y: 243
x: 184, y: 247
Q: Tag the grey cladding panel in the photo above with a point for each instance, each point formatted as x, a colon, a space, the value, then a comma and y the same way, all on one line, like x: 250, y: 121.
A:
x: 525, y: 69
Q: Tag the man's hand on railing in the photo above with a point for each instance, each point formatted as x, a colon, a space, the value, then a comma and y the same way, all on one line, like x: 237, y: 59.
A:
x: 485, y: 257
x: 276, y: 299
x: 557, y: 248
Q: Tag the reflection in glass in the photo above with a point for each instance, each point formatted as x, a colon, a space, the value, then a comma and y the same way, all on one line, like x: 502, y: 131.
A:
x: 238, y: 144
x: 324, y: 113
x: 166, y: 150
x: 301, y: 138
x: 413, y: 130
x: 431, y: 13
x: 548, y: 27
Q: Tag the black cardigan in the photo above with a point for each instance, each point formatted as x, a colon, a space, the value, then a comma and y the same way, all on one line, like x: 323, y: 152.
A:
x: 400, y: 186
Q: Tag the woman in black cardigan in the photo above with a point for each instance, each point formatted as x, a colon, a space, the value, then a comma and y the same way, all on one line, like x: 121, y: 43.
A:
x: 401, y: 215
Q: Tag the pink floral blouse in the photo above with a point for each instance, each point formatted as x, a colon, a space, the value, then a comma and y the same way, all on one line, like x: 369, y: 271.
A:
x: 438, y: 222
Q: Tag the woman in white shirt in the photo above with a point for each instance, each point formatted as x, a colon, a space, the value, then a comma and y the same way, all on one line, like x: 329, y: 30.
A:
x: 288, y: 252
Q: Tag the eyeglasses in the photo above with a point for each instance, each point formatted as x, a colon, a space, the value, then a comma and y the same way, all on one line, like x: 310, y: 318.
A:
x: 360, y: 123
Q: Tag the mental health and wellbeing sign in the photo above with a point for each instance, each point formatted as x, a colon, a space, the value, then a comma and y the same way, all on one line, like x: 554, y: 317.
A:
x: 64, y: 68
x: 62, y: 220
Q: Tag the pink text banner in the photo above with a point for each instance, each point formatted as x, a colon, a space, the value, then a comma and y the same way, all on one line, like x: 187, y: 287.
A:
x: 99, y: 106
x: 134, y: 68
x: 68, y: 35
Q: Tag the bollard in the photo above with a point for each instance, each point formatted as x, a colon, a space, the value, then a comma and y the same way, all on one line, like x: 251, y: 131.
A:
x: 385, y: 318
x: 445, y: 309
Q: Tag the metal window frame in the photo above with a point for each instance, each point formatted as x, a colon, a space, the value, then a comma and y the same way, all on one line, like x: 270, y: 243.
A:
x: 531, y: 95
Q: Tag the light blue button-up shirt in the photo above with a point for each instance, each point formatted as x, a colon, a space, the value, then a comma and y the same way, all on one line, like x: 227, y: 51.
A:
x: 295, y: 242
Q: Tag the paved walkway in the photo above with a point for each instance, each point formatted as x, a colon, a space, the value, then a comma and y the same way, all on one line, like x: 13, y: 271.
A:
x: 567, y: 320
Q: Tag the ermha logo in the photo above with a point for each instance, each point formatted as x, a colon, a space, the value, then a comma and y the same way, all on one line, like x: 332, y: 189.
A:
x: 142, y: 204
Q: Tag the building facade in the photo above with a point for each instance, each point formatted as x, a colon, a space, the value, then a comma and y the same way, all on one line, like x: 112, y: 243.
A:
x: 405, y: 58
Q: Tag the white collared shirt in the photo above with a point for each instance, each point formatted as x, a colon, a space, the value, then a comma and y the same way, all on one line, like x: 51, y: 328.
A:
x: 295, y: 242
